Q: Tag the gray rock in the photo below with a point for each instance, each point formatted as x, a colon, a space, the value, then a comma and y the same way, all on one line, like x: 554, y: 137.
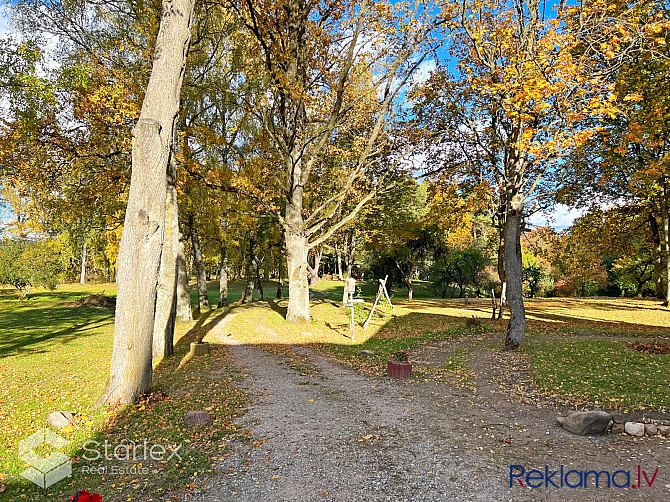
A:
x: 60, y: 419
x: 583, y: 423
x: 634, y: 429
x: 650, y: 429
x: 664, y: 430
x: 366, y: 353
x: 617, y: 428
x: 197, y: 418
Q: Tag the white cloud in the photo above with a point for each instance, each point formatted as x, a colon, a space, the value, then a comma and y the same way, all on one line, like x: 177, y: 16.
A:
x: 560, y: 217
x: 422, y: 73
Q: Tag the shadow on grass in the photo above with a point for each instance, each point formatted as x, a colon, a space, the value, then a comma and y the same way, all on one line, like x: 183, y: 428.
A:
x: 24, y: 329
x: 158, y: 419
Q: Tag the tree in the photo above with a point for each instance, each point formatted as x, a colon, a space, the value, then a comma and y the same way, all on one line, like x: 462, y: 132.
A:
x: 504, y: 117
x: 460, y: 266
x: 532, y: 273
x: 24, y: 264
x: 397, y: 230
x: 634, y: 273
x: 142, y: 238
x: 626, y: 163
x: 331, y: 71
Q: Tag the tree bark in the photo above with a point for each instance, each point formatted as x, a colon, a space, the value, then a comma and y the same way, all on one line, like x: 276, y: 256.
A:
x: 339, y: 263
x: 259, y: 283
x: 82, y: 274
x: 296, y: 248
x: 223, y: 278
x: 142, y: 239
x: 201, y: 278
x: 166, y: 296
x: 666, y: 239
x: 501, y: 272
x: 314, y: 271
x: 298, y: 288
x: 657, y: 255
x: 350, y: 257
x: 514, y: 274
x: 183, y: 291
x: 251, y: 269
x: 280, y: 280
x: 407, y: 279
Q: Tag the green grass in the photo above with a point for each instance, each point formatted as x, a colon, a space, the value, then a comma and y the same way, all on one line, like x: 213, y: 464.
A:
x: 601, y: 373
x: 56, y: 357
x: 235, y: 290
x: 368, y: 289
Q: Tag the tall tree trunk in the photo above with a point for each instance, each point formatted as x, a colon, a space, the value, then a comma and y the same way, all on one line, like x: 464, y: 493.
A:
x: 339, y: 263
x: 350, y: 257
x: 223, y: 277
x: 657, y: 255
x: 314, y: 271
x: 666, y: 239
x: 501, y: 271
x: 503, y: 299
x: 280, y: 279
x: 296, y: 254
x: 514, y: 274
x: 407, y: 278
x: 166, y: 296
x: 184, y: 311
x: 82, y: 273
x: 201, y: 278
x: 142, y: 239
x: 261, y: 293
x: 251, y: 271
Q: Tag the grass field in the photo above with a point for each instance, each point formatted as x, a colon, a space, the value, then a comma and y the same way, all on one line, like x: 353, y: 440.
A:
x: 55, y: 357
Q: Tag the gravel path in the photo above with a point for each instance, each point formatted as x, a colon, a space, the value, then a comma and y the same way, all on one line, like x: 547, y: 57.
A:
x: 343, y: 436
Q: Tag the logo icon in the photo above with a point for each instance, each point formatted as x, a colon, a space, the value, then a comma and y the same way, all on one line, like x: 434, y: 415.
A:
x: 44, y: 472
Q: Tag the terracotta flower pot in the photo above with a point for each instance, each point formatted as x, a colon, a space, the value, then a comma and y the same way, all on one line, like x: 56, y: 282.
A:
x: 399, y: 370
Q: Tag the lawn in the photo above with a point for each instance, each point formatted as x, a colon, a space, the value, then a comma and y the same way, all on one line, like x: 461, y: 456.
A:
x: 577, y: 348
x: 55, y: 357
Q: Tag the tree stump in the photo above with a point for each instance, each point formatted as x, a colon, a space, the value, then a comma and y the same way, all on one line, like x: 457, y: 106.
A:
x: 199, y: 349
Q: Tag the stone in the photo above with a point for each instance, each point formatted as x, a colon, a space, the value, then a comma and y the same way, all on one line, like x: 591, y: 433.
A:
x: 197, y: 418
x: 634, y: 429
x: 617, y: 428
x: 583, y: 423
x: 60, y: 419
x: 664, y: 430
x: 650, y: 429
x: 366, y: 353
